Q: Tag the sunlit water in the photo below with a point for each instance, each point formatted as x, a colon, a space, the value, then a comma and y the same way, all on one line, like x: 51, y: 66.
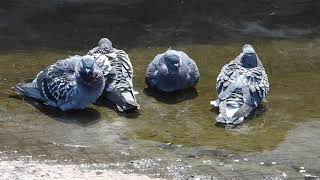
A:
x: 173, y: 136
x: 173, y: 131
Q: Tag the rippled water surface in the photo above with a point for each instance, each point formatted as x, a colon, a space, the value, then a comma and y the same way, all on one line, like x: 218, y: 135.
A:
x: 174, y: 135
x: 184, y: 119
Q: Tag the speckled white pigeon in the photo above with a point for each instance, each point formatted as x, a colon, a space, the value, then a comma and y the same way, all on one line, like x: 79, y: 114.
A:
x: 172, y: 71
x: 72, y: 83
x: 241, y: 86
x: 119, y: 87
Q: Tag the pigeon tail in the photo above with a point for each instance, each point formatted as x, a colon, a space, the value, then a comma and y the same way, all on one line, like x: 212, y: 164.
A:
x: 28, y: 89
x: 233, y: 112
x: 215, y: 103
x: 229, y: 113
x: 243, y: 111
x: 235, y: 121
x: 227, y: 117
x: 131, y: 102
x: 124, y: 101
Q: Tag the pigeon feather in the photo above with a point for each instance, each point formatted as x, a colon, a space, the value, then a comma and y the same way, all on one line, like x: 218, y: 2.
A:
x: 66, y: 84
x: 119, y: 86
x: 172, y: 71
x: 241, y: 86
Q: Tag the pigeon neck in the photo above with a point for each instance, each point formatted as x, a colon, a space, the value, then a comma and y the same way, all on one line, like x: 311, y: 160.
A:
x: 172, y: 72
x: 107, y: 50
x: 86, y: 83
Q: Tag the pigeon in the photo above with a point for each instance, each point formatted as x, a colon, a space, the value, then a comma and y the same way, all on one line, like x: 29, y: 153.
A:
x: 119, y: 87
x: 241, y: 86
x: 172, y: 71
x: 72, y: 83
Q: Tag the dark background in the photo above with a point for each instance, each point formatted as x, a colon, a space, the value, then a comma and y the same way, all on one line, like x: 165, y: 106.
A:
x: 65, y: 24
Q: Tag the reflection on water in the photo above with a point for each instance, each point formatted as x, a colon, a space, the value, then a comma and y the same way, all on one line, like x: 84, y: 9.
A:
x: 190, y: 122
x: 175, y: 131
x: 183, y: 119
x: 173, y: 97
x: 81, y: 117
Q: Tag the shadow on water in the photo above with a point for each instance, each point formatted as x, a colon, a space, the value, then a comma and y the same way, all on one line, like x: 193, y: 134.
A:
x: 173, y: 97
x: 285, y: 34
x: 103, y: 102
x: 85, y: 117
x: 255, y: 114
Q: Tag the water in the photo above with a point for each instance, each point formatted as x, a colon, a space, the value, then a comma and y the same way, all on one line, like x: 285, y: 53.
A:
x: 173, y: 135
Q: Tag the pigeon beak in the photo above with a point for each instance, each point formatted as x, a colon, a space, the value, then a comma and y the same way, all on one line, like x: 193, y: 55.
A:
x: 176, y: 65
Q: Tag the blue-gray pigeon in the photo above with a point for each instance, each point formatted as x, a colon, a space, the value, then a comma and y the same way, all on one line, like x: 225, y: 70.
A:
x: 119, y: 87
x: 241, y: 86
x: 172, y: 71
x: 72, y: 83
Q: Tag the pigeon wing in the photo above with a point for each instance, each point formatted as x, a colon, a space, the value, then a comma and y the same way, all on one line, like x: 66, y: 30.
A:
x: 103, y: 62
x: 192, y: 68
x: 127, y: 68
x: 122, y: 73
x: 95, y: 50
x: 227, y: 76
x: 257, y: 86
x: 153, y: 70
x: 57, y: 82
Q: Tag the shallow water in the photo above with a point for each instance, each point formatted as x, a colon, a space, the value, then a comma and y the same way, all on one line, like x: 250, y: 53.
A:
x: 179, y: 126
x: 173, y: 136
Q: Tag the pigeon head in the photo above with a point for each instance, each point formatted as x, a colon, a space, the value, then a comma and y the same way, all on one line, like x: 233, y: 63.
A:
x: 87, y: 65
x: 88, y: 71
x: 249, y: 58
x: 172, y: 60
x: 105, y: 45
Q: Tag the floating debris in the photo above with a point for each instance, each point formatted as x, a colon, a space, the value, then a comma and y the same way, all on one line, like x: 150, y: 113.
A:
x: 206, y: 161
x: 262, y: 163
x: 125, y: 153
x: 273, y: 163
x: 75, y: 145
x: 284, y: 174
x: 236, y: 160
x: 302, y: 171
x: 310, y: 177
